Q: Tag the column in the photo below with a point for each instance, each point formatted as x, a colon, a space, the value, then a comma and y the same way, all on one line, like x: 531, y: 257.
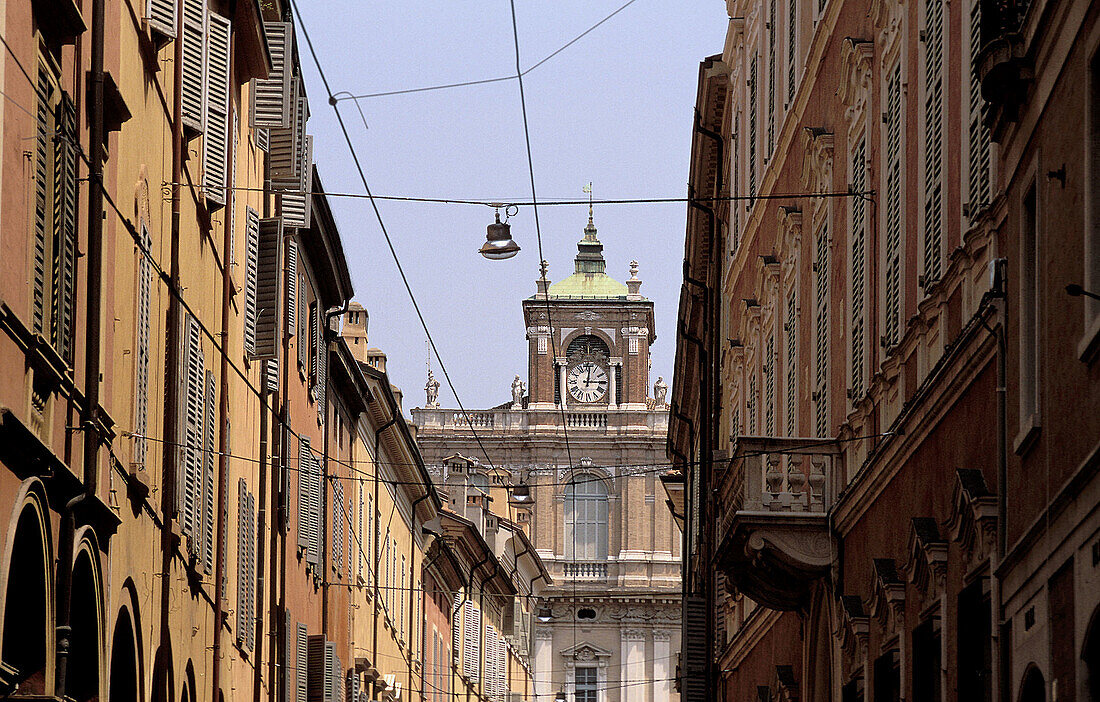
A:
x: 562, y: 378
x: 614, y: 396
x: 662, y: 666
x: 543, y: 664
x: 633, y: 666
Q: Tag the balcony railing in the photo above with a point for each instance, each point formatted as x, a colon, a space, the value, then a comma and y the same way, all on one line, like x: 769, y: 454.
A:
x: 477, y: 420
x: 586, y: 420
x: 772, y: 527
x: 586, y: 570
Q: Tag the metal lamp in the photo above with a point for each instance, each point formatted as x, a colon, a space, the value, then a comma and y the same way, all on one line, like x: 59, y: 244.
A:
x: 498, y: 241
x: 544, y: 615
x: 521, y: 492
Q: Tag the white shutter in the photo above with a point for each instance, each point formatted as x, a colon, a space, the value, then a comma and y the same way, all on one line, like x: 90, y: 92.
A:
x: 294, y: 205
x: 456, y: 625
x: 260, y: 139
x: 322, y: 365
x: 286, y: 679
x: 210, y: 457
x: 191, y: 493
x: 251, y: 268
x: 892, y: 249
x: 161, y: 15
x: 471, y: 641
x: 301, y: 664
x: 978, y: 137
x: 271, y: 375
x: 858, y: 262
x: 141, y: 358
x: 271, y: 96
x: 933, y: 143
x: 821, y: 329
x: 291, y: 287
x: 269, y: 269
x: 194, y: 58
x: 215, y: 146
x: 791, y: 382
x: 305, y: 461
x: 286, y: 147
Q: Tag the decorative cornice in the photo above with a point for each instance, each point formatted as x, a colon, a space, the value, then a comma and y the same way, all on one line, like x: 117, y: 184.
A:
x: 888, y: 596
x: 856, y: 57
x: 855, y: 626
x: 973, y: 523
x: 927, y: 566
x: 817, y: 159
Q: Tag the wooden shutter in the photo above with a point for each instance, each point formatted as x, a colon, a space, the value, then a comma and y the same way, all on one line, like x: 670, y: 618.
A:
x: 821, y: 329
x: 858, y: 277
x: 771, y: 75
x: 301, y: 664
x: 191, y: 493
x: 286, y: 658
x: 194, y: 56
x: 769, y: 386
x: 322, y: 365
x: 471, y: 641
x: 792, y: 47
x: 334, y: 680
x: 246, y: 574
x: 791, y: 382
x: 305, y: 460
x: 751, y: 144
x: 64, y: 219
x: 161, y: 15
x: 215, y: 144
x: 456, y: 625
x: 751, y: 402
x: 933, y: 143
x: 43, y: 163
x: 269, y: 268
x: 141, y: 357
x: 695, y: 650
x: 314, y: 334
x: 271, y: 375
x: 291, y: 287
x: 316, y: 669
x: 210, y: 456
x: 251, y: 281
x: 978, y: 133
x: 316, y: 484
x: 337, y: 527
x: 260, y: 137
x: 271, y: 96
x: 892, y: 248
x: 294, y: 205
x: 286, y: 146
x: 364, y: 538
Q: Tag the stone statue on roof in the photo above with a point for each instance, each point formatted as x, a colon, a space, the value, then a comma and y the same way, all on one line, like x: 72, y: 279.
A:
x: 660, y: 391
x: 518, y: 389
x: 431, y: 389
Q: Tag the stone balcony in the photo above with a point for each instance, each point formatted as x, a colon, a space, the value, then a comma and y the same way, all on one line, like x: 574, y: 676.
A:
x: 604, y: 420
x: 774, y: 496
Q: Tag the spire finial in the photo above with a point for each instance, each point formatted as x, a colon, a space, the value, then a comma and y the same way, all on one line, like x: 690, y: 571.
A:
x: 588, y: 189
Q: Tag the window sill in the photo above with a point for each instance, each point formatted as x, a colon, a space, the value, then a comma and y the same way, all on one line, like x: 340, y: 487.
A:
x: 1029, y: 432
x: 1088, y: 348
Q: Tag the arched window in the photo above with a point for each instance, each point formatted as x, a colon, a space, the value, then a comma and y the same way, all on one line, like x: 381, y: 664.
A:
x: 587, y: 347
x: 586, y: 518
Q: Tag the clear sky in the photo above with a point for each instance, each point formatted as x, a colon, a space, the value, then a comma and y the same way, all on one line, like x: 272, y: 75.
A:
x: 615, y: 109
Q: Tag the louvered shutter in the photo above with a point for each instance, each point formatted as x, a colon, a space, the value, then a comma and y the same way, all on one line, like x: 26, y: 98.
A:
x: 286, y: 675
x: 978, y: 133
x: 317, y: 674
x: 471, y: 641
x: 246, y: 574
x: 351, y: 687
x: 210, y: 456
x: 305, y: 461
x: 291, y: 287
x: 933, y: 143
x: 456, y: 626
x: 333, y: 670
x: 64, y: 218
x: 271, y: 96
x: 251, y: 279
x: 314, y: 335
x: 792, y: 47
x: 821, y: 329
x: 301, y: 664
x: 364, y: 538
x: 141, y: 358
x: 260, y: 137
x: 695, y: 650
x: 286, y: 146
x: 348, y: 535
x: 322, y: 367
x: 316, y: 485
x: 269, y: 267
x: 769, y: 386
x: 215, y: 143
x: 43, y: 153
x: 751, y: 408
x: 161, y: 15
x: 294, y: 205
x: 771, y: 75
x: 337, y: 527
x: 191, y: 493
x: 892, y: 249
x: 858, y: 271
x: 194, y: 57
x: 751, y: 144
x: 271, y: 375
x: 791, y: 382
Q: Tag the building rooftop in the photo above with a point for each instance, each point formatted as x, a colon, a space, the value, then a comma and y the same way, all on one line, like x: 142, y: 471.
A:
x: 590, y: 279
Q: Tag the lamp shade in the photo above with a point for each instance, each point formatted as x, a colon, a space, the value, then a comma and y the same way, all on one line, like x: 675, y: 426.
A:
x: 498, y: 241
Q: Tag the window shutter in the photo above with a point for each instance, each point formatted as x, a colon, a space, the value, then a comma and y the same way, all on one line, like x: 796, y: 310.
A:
x: 751, y: 408
x: 695, y: 649
x: 305, y: 461
x: 286, y: 147
x: 294, y: 205
x: 351, y: 688
x: 769, y: 386
x: 333, y: 679
x: 286, y: 679
x: 314, y: 335
x: 322, y: 366
x: 141, y: 359
x: 821, y: 336
x: 933, y: 143
x: 161, y: 15
x: 364, y: 538
x: 43, y: 153
x: 260, y: 137
x: 317, y: 669
x: 271, y: 96
x: 246, y: 575
x: 251, y: 266
x: 269, y: 267
x: 471, y: 641
x: 316, y: 484
x: 301, y: 664
x: 791, y: 382
x: 792, y: 47
x: 271, y: 375
x: 978, y: 141
x: 337, y: 527
x: 858, y: 271
x: 194, y: 56
x: 892, y: 249
x: 348, y: 536
x: 771, y: 75
x: 291, y: 287
x: 215, y: 143
x: 209, y: 459
x: 751, y: 144
x: 64, y: 216
x: 191, y: 492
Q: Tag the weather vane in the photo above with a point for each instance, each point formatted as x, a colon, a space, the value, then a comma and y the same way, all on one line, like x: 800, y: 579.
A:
x: 588, y: 189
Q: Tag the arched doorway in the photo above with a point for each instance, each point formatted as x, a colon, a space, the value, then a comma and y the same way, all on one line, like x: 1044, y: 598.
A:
x: 124, y: 677
x: 83, y: 677
x: 1034, y: 687
x: 26, y: 604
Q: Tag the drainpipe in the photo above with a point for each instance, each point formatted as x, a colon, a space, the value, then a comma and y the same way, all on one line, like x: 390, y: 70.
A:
x: 412, y: 590
x: 326, y: 338
x: 377, y: 555
x: 90, y: 418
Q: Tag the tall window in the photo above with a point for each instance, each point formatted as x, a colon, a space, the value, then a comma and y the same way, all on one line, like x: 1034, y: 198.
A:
x: 933, y: 143
x: 1029, y: 307
x: 586, y: 518
x: 857, y: 182
x: 586, y: 684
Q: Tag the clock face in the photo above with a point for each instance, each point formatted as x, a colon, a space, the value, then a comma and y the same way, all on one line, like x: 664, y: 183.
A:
x: 587, y: 382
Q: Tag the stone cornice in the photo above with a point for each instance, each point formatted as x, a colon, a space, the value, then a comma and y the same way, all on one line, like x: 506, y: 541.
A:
x: 817, y: 162
x: 856, y: 58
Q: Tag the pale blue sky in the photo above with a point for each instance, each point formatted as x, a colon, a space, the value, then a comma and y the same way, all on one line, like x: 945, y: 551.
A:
x: 615, y: 109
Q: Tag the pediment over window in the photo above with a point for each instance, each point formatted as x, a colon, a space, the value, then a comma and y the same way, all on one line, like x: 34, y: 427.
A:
x: 817, y: 161
x: 584, y: 652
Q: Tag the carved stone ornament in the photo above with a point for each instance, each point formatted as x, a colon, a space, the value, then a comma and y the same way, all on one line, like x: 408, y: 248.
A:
x: 586, y: 652
x: 856, y: 59
x: 973, y: 522
x: 588, y: 315
x: 927, y: 566
x: 817, y: 161
x: 790, y: 236
x: 887, y: 16
x: 855, y: 626
x: 544, y: 634
x: 888, y: 597
x: 632, y: 635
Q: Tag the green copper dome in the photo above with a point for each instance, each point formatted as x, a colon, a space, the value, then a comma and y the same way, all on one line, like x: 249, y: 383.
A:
x: 590, y: 278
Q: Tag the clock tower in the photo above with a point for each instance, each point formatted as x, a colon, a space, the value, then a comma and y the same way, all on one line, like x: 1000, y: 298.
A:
x: 588, y: 336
